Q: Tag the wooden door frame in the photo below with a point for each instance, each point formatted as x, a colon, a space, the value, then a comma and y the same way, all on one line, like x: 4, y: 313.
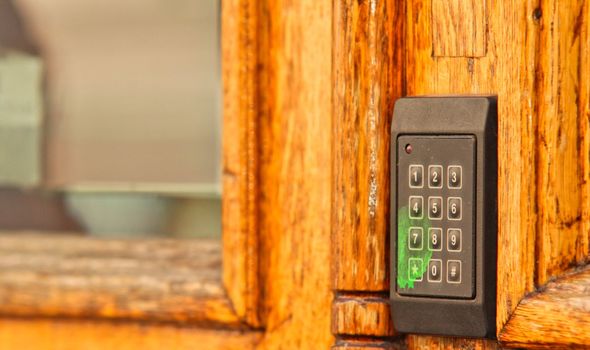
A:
x: 386, y: 49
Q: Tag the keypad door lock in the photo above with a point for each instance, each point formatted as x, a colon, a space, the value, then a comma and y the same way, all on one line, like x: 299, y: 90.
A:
x: 444, y: 215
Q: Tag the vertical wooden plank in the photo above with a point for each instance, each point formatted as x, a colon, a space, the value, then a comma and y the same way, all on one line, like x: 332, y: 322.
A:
x: 240, y: 156
x: 560, y: 240
x: 295, y: 172
x: 459, y: 28
x: 584, y: 136
x: 365, y: 87
x: 508, y: 70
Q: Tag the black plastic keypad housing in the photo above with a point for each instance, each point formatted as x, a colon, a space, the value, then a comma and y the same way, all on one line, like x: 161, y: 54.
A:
x: 443, y: 262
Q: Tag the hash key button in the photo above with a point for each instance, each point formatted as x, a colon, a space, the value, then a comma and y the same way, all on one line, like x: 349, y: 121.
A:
x: 454, y: 271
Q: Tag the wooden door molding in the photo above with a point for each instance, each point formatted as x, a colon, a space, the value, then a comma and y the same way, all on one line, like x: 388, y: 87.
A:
x: 535, y: 60
x: 368, y: 70
x: 242, y: 110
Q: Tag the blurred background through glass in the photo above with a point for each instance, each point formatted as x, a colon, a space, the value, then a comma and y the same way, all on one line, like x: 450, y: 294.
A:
x: 110, y: 117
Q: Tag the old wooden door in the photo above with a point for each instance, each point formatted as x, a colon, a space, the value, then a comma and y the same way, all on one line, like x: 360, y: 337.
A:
x: 309, y: 88
x: 534, y: 56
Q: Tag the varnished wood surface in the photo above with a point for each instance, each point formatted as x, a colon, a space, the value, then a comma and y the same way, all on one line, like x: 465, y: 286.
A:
x: 560, y: 240
x: 459, y: 28
x: 241, y: 144
x: 557, y: 316
x: 365, y: 315
x: 445, y: 343
x: 371, y: 344
x: 533, y: 56
x: 295, y: 64
x: 153, y: 280
x: 508, y: 70
x: 367, y: 80
x: 48, y: 334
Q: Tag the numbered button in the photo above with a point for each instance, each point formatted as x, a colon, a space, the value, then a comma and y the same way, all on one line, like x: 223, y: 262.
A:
x: 454, y: 208
x: 416, y: 204
x: 435, y: 208
x: 415, y: 238
x: 415, y: 269
x: 435, y: 239
x: 454, y: 174
x: 454, y: 240
x: 435, y: 270
x: 416, y: 176
x: 454, y: 271
x: 435, y: 176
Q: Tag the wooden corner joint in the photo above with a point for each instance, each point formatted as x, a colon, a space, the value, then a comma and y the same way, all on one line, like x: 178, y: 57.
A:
x: 557, y: 315
x: 362, y: 315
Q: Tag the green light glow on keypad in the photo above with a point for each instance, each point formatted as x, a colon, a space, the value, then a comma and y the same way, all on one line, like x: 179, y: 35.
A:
x: 411, y: 264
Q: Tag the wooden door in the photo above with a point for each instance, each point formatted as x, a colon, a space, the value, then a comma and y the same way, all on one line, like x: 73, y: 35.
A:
x: 534, y: 56
x: 309, y: 88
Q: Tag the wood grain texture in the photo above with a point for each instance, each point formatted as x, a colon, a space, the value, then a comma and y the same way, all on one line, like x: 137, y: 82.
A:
x: 242, y: 110
x: 295, y: 134
x: 47, y: 334
x: 362, y: 315
x: 366, y: 84
x: 157, y: 280
x: 584, y: 118
x: 444, y: 343
x: 557, y: 316
x: 371, y: 344
x: 459, y: 28
x: 560, y: 240
x: 508, y: 70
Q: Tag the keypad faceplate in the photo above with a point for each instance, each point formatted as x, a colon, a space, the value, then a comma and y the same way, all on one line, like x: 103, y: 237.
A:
x: 435, y: 222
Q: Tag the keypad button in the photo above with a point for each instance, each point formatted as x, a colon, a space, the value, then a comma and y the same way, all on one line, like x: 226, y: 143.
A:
x: 415, y: 238
x: 454, y: 208
x: 454, y: 271
x: 435, y: 270
x: 435, y: 208
x: 435, y: 239
x: 415, y: 269
x: 416, y: 204
x: 454, y: 240
x: 435, y: 175
x: 416, y: 176
x: 454, y: 175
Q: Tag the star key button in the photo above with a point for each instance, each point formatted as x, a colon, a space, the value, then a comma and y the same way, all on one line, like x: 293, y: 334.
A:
x: 415, y: 269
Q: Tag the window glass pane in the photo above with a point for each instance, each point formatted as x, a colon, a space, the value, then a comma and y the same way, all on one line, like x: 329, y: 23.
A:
x: 110, y: 119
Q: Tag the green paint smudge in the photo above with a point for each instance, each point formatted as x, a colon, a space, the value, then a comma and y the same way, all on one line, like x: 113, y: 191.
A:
x: 404, y: 254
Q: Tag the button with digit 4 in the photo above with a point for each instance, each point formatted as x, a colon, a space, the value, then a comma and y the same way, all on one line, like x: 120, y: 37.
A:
x: 416, y: 204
